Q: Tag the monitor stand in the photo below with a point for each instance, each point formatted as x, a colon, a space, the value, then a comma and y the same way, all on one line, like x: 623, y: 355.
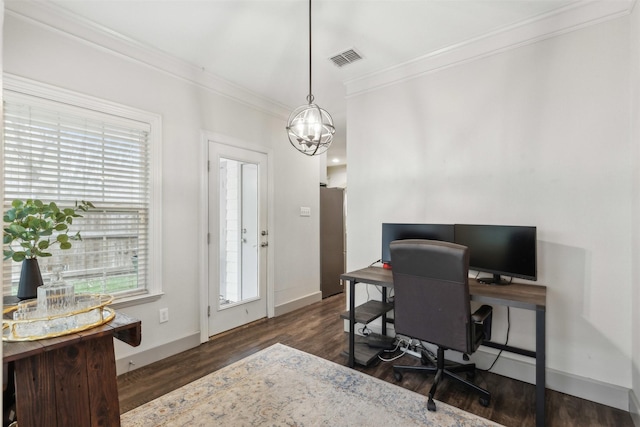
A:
x: 495, y: 280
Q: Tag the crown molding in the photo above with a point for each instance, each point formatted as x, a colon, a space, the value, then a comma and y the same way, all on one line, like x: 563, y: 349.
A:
x: 53, y: 18
x: 575, y: 16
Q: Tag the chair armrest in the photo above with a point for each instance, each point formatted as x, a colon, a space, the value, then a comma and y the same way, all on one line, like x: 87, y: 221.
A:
x: 482, y: 318
x: 482, y: 313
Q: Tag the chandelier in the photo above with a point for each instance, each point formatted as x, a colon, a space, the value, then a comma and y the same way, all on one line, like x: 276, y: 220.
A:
x: 310, y: 128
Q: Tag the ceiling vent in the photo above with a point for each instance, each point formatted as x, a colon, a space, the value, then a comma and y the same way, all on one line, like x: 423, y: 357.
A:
x: 346, y: 57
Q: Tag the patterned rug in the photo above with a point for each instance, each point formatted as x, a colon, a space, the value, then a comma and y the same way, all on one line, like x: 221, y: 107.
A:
x: 282, y: 386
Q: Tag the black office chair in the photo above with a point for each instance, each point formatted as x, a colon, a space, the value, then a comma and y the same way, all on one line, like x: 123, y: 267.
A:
x: 431, y: 303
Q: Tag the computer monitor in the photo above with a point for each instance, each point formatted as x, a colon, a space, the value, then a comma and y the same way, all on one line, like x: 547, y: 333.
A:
x: 396, y: 231
x: 499, y: 250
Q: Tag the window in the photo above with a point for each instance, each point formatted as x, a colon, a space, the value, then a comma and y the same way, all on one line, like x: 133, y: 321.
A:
x: 64, y: 147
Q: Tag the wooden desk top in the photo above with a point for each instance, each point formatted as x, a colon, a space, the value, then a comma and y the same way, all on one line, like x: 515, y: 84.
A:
x: 122, y: 327
x: 372, y: 275
x: 519, y: 295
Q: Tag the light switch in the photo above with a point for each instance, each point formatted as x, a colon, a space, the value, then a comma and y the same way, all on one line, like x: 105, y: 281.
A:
x: 305, y: 211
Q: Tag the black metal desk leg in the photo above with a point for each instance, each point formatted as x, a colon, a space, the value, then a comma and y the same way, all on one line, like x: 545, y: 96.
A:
x: 541, y: 382
x: 384, y: 315
x: 352, y: 323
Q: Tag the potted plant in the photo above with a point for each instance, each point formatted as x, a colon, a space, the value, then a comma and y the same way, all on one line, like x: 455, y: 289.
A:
x: 32, y: 224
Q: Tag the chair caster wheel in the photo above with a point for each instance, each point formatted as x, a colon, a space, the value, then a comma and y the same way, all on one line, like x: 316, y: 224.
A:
x: 431, y: 405
x: 397, y: 376
x: 484, y: 402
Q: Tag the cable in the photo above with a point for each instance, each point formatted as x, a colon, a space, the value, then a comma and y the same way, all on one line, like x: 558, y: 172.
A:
x: 505, y: 343
x: 393, y: 358
x: 478, y: 274
x: 398, y: 344
x: 367, y: 287
x: 429, y: 352
x: 365, y: 331
x: 508, y: 328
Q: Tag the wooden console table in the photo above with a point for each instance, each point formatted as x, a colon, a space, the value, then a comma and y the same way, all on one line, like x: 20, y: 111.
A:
x: 70, y: 380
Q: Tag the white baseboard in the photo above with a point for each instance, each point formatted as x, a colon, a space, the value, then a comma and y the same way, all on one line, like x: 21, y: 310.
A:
x: 157, y: 353
x: 634, y: 408
x: 298, y: 303
x: 574, y: 385
x: 523, y: 369
x: 146, y: 357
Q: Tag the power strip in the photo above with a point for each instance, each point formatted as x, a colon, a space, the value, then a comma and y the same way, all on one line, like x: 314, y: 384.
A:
x: 411, y: 352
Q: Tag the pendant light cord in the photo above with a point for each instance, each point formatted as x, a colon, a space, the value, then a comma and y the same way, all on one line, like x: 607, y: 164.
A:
x: 310, y: 96
x: 310, y: 128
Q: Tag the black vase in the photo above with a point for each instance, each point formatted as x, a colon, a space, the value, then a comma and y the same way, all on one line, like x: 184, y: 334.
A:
x: 30, y: 279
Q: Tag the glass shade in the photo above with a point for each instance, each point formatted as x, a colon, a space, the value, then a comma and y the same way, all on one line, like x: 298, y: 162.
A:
x: 310, y: 129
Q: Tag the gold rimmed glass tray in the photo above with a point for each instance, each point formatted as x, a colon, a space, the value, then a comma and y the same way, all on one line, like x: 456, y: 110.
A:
x: 90, y: 311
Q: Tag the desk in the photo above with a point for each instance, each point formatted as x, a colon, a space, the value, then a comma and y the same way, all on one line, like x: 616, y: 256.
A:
x: 70, y: 380
x: 518, y: 295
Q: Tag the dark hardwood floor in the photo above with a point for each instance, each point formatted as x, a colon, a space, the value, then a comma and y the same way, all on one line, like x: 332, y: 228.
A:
x: 318, y: 329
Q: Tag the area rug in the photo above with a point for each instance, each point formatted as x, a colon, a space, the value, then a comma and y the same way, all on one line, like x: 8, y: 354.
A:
x: 282, y: 386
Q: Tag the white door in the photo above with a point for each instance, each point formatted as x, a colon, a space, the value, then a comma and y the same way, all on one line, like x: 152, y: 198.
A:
x: 239, y: 237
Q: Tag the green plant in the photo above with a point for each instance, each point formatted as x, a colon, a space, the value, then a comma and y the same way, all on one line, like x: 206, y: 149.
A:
x: 32, y: 224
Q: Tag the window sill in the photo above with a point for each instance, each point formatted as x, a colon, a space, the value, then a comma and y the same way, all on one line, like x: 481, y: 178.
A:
x: 135, y: 299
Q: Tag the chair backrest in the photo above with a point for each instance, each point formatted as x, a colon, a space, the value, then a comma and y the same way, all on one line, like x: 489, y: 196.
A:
x: 431, y: 292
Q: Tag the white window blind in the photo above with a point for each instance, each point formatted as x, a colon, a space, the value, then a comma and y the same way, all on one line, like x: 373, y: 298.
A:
x: 63, y: 153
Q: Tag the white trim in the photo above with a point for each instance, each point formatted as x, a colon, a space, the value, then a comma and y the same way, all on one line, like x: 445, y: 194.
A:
x: 559, y: 21
x: 22, y: 85
x: 203, y: 228
x: 207, y: 136
x: 523, y: 369
x: 574, y: 385
x: 634, y: 408
x: 575, y: 16
x: 298, y: 303
x: 55, y: 18
x: 155, y: 354
x: 1, y: 129
x: 137, y: 299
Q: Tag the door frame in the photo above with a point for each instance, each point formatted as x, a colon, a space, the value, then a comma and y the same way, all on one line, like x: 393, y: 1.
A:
x: 203, y: 223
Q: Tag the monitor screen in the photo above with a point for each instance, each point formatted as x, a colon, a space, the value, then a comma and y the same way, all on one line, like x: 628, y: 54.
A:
x: 499, y: 250
x: 391, y: 232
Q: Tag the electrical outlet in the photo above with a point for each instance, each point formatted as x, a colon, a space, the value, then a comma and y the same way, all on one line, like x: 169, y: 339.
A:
x: 164, y: 315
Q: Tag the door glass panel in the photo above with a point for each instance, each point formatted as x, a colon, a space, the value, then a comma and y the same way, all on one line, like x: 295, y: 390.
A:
x: 238, y: 232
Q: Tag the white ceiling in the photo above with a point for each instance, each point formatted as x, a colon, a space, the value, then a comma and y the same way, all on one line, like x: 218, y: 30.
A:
x: 262, y: 45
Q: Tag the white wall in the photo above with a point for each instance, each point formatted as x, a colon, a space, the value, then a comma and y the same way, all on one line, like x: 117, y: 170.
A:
x: 534, y: 135
x: 38, y: 52
x: 1, y: 130
x: 635, y: 143
x: 337, y: 176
